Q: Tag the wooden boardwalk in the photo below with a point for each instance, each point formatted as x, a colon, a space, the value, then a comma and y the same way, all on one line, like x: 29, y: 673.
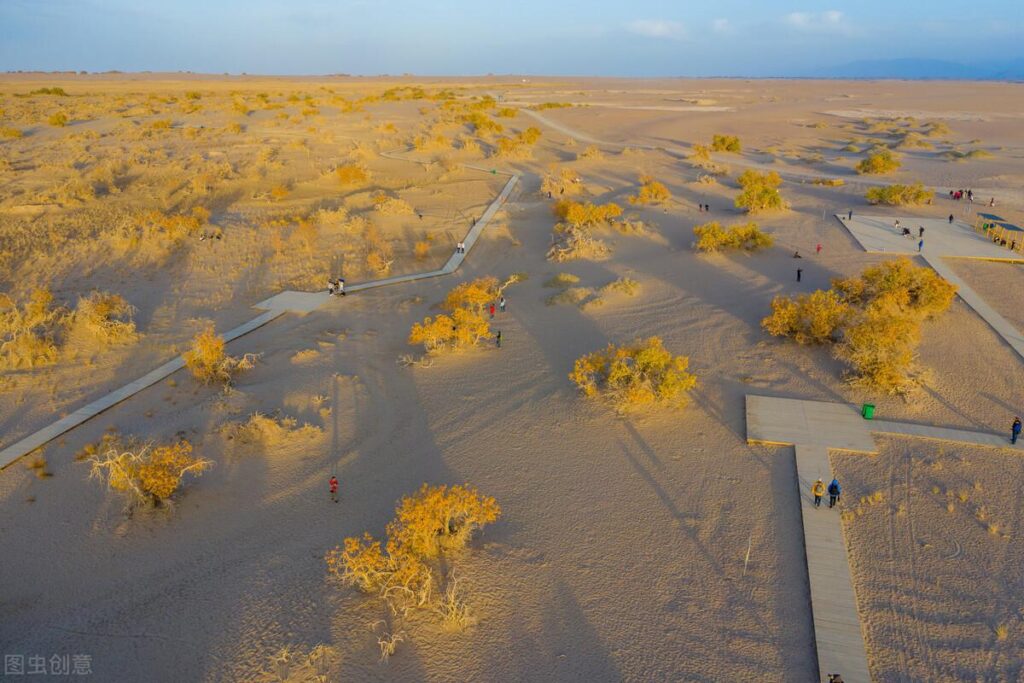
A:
x: 812, y: 428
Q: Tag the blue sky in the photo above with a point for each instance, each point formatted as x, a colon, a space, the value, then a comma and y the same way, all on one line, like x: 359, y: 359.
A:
x: 465, y: 37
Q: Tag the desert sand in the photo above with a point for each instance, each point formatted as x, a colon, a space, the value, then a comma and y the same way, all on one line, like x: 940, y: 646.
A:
x: 658, y: 546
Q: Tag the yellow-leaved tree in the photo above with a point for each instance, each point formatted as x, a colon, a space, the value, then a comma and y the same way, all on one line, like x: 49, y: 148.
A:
x: 465, y: 324
x: 760, y: 191
x: 407, y: 571
x: 873, y: 319
x: 634, y: 375
x: 146, y: 474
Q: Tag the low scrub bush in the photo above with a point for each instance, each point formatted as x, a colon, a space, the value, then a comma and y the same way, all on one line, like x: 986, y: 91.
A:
x: 878, y: 163
x: 712, y: 237
x: 58, y: 119
x: 760, y: 192
x: 584, y: 214
x: 106, y: 317
x: 29, y: 332
x: 726, y: 143
x: 650, y: 192
x: 899, y: 195
x: 210, y: 364
x: 352, y: 174
x: 808, y: 318
x: 592, y: 152
x: 635, y: 375
x: 10, y: 132
x: 565, y: 182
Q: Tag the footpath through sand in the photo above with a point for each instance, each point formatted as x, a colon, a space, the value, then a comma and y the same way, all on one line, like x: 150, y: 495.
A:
x: 274, y: 307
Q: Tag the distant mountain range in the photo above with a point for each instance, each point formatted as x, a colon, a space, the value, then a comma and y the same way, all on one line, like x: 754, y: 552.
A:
x: 925, y: 68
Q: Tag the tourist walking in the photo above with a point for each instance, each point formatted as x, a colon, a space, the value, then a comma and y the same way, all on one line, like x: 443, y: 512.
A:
x: 920, y: 231
x: 330, y: 287
x: 817, y: 249
x: 491, y: 309
x: 501, y: 304
x: 339, y: 286
x: 834, y: 491
x: 1015, y: 430
x: 951, y: 219
x: 818, y: 490
x: 849, y: 216
x: 497, y: 339
x: 799, y: 274
x: 334, y: 488
x: 896, y: 225
x: 920, y: 245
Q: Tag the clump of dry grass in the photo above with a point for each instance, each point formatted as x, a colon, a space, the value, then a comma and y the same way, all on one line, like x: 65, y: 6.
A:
x: 106, y: 317
x: 268, y: 431
x: 623, y: 285
x: 391, y: 206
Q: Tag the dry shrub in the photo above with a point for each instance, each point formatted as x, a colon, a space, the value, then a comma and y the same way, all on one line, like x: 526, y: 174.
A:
x: 712, y: 237
x: 352, y: 174
x: 760, y: 191
x: 391, y: 206
x: 570, y: 296
x: 481, y: 123
x: 519, y: 146
x: 650, y: 192
x: 635, y: 375
x: 58, y: 119
x: 10, y: 132
x: 623, y: 285
x: 566, y: 181
x: 829, y: 182
x: 266, y: 430
x: 506, y: 112
x: 899, y: 195
x: 700, y: 155
x: 209, y: 363
x: 726, y: 143
x: 378, y: 253
x: 562, y: 280
x: 882, y: 161
x: 146, y: 474
x: 577, y: 243
x: 421, y: 250
x: 29, y: 332
x: 593, y: 152
x: 585, y: 214
x: 106, y: 317
x: 428, y: 143
x: 158, y: 228
x: 874, y: 319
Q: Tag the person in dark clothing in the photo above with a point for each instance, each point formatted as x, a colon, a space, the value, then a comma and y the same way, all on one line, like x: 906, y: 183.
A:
x: 333, y: 484
x: 799, y: 274
x: 951, y: 219
x: 849, y: 216
x: 497, y: 339
x: 1015, y: 430
x: 920, y: 231
x: 834, y: 491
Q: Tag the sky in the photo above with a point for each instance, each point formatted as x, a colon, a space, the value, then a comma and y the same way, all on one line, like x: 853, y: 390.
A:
x: 472, y: 37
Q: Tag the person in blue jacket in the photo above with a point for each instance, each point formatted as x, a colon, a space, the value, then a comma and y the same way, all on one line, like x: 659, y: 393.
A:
x: 834, y: 491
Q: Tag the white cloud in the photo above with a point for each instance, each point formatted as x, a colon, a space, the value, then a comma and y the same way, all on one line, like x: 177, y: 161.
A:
x: 830, y: 20
x: 657, y: 28
x: 721, y: 26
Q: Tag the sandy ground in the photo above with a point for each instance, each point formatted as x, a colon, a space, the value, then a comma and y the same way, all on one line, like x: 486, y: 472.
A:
x: 621, y: 550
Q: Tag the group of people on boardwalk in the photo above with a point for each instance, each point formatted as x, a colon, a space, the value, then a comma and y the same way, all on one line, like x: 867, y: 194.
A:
x: 833, y: 489
x: 336, y: 286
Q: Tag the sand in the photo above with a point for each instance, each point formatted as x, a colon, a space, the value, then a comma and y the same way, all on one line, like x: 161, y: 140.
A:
x: 622, y: 552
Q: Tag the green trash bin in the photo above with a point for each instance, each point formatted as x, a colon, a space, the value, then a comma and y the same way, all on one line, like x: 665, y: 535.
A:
x: 868, y: 411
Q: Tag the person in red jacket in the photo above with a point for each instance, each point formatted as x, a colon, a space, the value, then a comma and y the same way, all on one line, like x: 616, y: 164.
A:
x: 492, y: 310
x: 334, y: 488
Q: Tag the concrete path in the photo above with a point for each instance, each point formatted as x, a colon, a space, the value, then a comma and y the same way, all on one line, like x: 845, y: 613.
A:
x: 942, y: 240
x: 813, y: 428
x: 275, y: 306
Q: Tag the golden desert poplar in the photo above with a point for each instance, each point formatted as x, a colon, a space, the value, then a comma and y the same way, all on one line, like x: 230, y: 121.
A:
x: 634, y: 375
